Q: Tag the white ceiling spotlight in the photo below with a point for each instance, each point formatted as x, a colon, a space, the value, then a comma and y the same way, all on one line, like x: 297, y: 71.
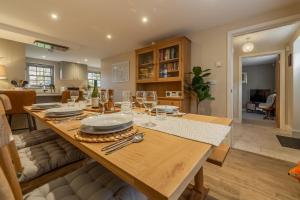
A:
x: 108, y: 36
x: 43, y: 56
x: 144, y: 20
x: 54, y: 16
x: 85, y: 60
x: 248, y: 46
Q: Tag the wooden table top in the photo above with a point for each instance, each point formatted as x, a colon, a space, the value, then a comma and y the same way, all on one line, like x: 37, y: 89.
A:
x: 161, y: 166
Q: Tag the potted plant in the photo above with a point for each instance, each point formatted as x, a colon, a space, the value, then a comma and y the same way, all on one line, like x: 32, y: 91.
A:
x: 198, y: 86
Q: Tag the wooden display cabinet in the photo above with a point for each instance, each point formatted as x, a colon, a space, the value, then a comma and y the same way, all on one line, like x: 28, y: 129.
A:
x: 161, y: 67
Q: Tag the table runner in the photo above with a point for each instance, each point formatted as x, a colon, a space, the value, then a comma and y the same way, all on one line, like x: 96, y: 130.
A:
x: 195, y: 130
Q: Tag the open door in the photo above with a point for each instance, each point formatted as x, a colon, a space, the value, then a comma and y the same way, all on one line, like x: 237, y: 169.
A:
x: 277, y: 89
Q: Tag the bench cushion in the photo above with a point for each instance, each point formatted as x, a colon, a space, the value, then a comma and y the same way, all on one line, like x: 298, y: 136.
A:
x: 28, y: 139
x: 40, y: 159
x: 91, y: 182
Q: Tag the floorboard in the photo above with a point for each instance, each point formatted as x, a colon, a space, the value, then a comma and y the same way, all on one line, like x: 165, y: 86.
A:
x: 248, y: 176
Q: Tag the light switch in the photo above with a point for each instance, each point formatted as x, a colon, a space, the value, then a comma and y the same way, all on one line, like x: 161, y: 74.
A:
x: 218, y: 64
x: 212, y: 82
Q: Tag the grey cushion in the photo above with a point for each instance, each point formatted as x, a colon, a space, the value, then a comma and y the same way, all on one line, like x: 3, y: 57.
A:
x: 28, y: 139
x: 45, y: 157
x: 91, y: 182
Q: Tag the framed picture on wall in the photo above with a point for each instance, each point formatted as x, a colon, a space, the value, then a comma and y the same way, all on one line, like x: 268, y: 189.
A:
x: 244, y: 77
x: 120, y: 72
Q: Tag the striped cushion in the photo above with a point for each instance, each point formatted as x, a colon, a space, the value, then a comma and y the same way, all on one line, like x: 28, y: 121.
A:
x: 28, y: 139
x: 43, y: 158
x: 91, y: 182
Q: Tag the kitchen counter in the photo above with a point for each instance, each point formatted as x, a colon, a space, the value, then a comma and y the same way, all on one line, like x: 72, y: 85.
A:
x: 48, y: 94
x: 48, y: 97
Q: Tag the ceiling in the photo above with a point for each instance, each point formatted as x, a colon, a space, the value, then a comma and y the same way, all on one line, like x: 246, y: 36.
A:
x: 259, y: 60
x: 276, y: 37
x: 83, y: 25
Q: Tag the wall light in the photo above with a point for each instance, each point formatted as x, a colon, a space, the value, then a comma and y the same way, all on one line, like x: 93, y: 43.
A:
x: 2, y: 72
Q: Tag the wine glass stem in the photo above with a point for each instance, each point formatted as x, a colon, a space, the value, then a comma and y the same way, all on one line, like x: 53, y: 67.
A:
x: 103, y: 109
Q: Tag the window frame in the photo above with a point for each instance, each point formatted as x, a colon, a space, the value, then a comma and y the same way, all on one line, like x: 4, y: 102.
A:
x: 98, y: 81
x: 40, y: 65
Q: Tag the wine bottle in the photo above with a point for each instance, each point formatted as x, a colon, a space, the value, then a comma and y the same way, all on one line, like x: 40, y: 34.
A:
x: 95, y: 93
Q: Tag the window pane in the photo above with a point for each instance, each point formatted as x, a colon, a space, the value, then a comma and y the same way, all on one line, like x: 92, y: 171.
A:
x: 39, y: 75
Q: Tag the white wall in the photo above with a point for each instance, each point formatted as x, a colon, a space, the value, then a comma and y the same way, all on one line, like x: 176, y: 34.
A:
x: 106, y: 74
x: 259, y: 77
x: 12, y: 55
x: 296, y: 85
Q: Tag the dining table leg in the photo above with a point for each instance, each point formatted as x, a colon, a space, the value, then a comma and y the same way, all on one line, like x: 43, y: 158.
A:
x: 199, y: 191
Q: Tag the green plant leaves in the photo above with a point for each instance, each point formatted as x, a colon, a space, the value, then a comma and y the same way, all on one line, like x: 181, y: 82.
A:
x: 198, y: 84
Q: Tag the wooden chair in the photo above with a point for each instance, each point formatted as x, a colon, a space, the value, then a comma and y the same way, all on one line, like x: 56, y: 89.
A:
x: 43, y: 162
x: 89, y: 182
x: 19, y: 99
x: 31, y: 138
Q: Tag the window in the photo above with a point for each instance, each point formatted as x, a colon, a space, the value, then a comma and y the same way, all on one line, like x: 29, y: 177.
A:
x: 94, y: 76
x: 39, y: 75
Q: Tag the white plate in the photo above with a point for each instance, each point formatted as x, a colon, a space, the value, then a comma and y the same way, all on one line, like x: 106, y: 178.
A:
x: 107, y: 121
x: 45, y: 105
x: 91, y: 130
x: 166, y: 108
x: 62, y: 115
x: 64, y: 110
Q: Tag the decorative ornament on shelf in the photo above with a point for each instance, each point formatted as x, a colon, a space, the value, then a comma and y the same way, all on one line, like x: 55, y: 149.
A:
x: 248, y: 46
x: 19, y: 84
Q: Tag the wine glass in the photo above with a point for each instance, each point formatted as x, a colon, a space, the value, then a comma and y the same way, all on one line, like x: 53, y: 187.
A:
x: 149, y: 102
x: 139, y: 95
x: 103, y: 99
x: 74, y: 94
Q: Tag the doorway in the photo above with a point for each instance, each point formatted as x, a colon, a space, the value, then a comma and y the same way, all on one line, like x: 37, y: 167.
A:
x: 260, y: 89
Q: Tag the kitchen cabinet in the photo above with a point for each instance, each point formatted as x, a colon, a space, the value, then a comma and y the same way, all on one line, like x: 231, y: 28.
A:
x: 72, y: 71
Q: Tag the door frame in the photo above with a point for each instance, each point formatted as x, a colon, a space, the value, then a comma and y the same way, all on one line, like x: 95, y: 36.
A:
x: 281, y: 87
x: 230, y: 53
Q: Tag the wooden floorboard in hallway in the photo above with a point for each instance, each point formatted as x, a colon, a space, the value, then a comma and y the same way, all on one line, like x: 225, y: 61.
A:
x: 249, y: 176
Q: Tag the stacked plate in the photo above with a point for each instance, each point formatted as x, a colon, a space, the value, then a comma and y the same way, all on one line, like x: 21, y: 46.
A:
x: 166, y: 108
x: 106, y: 124
x: 63, y: 112
x: 44, y: 106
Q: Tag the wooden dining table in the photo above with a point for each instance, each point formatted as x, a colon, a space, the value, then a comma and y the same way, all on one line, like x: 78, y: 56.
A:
x: 161, y: 167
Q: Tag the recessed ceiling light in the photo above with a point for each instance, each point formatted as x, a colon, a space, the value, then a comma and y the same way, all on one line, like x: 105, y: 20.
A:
x: 54, y: 16
x: 85, y: 60
x: 78, y: 62
x: 43, y: 56
x: 108, y: 36
x: 144, y: 20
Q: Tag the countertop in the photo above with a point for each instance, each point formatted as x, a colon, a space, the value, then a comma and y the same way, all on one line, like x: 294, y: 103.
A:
x: 48, y: 94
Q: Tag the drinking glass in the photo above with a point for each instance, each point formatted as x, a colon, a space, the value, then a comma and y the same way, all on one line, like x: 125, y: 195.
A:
x: 149, y: 102
x: 74, y: 94
x: 103, y: 99
x: 139, y: 95
x: 126, y: 105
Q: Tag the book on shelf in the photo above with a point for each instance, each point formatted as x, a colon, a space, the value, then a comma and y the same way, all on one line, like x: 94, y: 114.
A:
x: 168, y: 54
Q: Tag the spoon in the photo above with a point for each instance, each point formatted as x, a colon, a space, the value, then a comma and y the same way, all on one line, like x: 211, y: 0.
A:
x: 136, y: 139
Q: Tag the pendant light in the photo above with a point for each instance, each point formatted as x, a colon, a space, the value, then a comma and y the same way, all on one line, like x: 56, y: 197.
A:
x: 248, y: 46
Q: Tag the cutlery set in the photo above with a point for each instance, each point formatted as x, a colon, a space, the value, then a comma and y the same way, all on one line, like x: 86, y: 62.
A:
x: 139, y: 137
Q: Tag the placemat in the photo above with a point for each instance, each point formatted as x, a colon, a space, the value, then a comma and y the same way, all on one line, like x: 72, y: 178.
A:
x: 84, y: 137
x: 99, y: 111
x: 190, y: 129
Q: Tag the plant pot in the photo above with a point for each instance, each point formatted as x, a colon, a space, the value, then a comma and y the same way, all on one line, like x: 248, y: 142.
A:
x: 204, y: 107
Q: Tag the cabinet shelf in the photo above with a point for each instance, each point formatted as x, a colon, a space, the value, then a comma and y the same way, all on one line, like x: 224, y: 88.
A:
x: 169, y: 60
x: 164, y: 64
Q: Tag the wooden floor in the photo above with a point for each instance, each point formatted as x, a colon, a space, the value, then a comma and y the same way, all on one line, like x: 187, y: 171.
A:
x: 249, y: 176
